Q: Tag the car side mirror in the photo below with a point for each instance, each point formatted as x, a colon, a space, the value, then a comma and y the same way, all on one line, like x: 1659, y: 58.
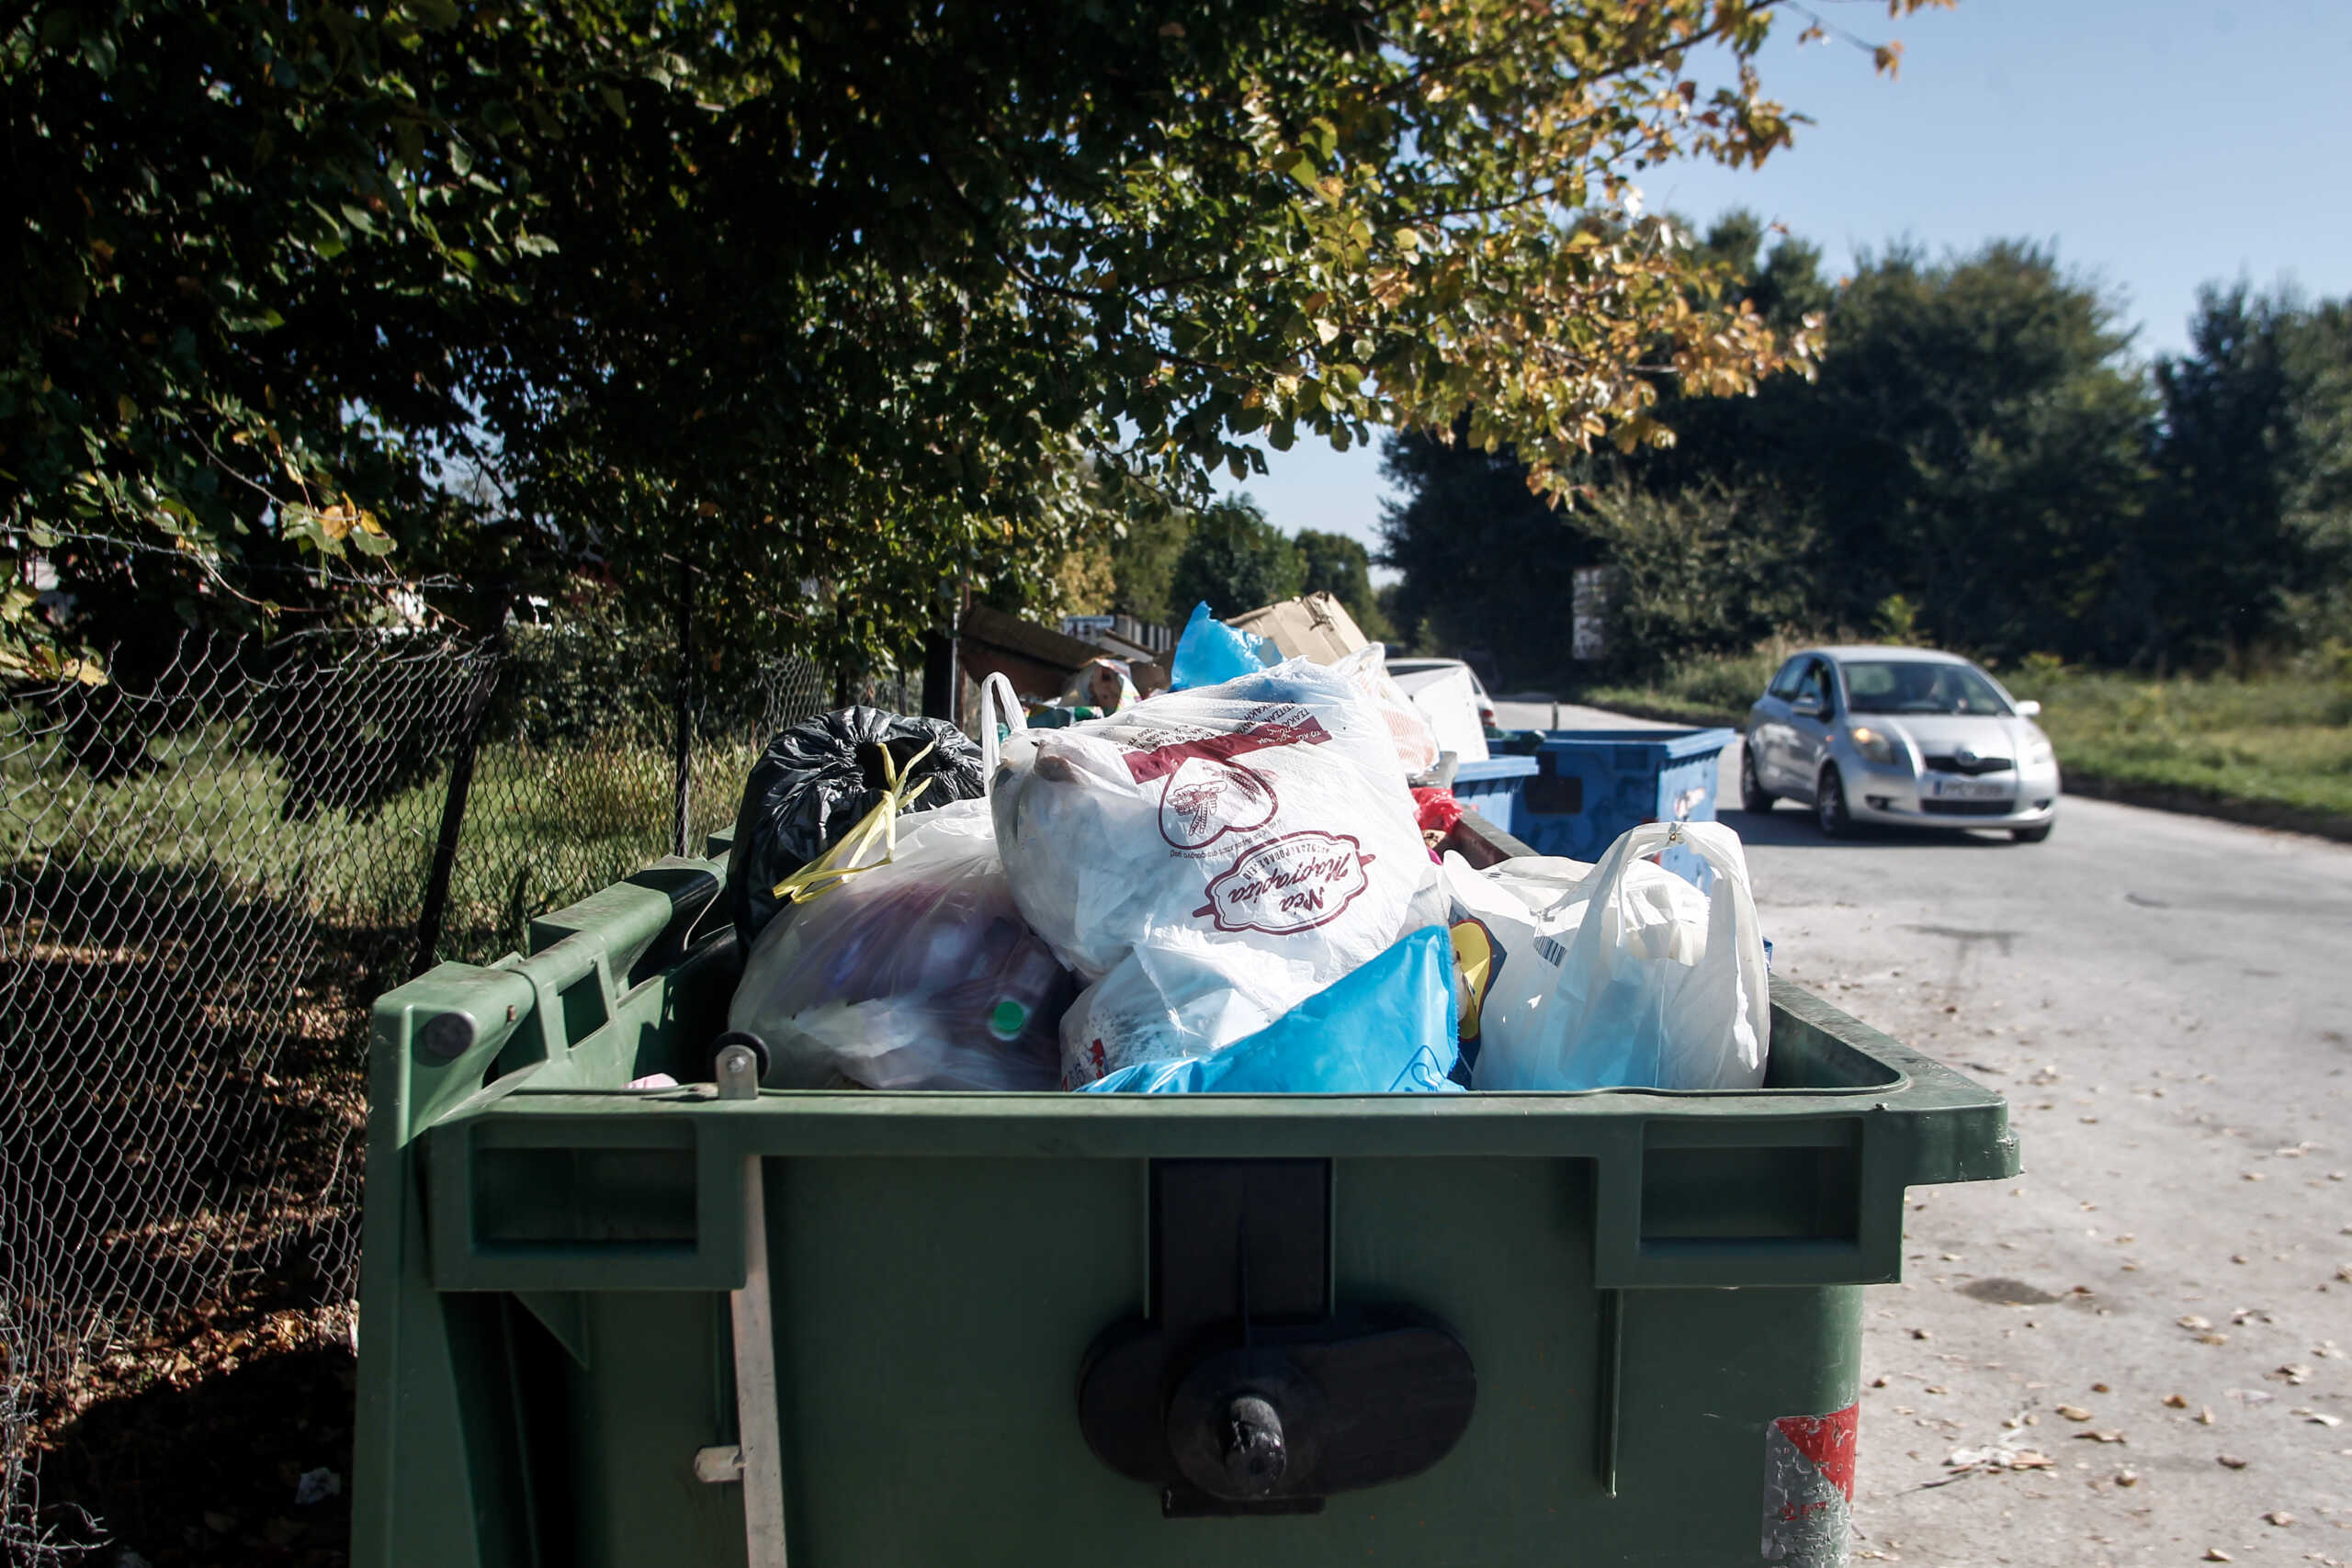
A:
x: 2029, y: 709
x: 1806, y: 706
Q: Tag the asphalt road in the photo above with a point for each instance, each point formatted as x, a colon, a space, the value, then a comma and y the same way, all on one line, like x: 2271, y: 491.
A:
x: 2162, y: 1306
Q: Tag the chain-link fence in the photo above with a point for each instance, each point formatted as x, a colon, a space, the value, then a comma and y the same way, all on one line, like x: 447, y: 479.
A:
x: 207, y: 870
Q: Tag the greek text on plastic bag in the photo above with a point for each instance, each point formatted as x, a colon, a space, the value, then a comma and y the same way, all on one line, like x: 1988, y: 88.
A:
x: 1211, y: 858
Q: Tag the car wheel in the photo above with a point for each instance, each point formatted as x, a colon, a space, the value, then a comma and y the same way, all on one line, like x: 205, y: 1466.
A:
x: 2031, y: 835
x: 1753, y: 795
x: 1829, y: 806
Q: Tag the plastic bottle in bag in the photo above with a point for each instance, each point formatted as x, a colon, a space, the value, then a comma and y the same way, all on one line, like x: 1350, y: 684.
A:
x: 916, y: 974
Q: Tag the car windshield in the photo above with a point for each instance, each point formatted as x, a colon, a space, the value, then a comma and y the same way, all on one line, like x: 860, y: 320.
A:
x: 1914, y: 686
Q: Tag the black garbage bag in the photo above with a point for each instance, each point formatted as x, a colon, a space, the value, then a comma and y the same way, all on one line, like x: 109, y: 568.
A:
x: 816, y: 780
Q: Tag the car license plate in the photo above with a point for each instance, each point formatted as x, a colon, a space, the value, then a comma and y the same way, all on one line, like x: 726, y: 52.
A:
x: 1968, y: 789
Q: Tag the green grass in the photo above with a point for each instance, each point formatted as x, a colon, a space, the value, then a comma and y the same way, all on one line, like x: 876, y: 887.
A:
x: 1715, y: 690
x: 2272, y: 746
x: 2282, y: 739
x: 209, y: 828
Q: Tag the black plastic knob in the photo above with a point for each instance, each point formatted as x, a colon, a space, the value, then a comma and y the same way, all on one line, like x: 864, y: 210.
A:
x: 1255, y: 1454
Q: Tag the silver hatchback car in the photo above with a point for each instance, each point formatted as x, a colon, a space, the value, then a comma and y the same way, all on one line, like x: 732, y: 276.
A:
x: 1899, y: 735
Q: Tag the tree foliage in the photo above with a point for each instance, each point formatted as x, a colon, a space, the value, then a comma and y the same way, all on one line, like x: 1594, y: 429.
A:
x: 2249, y: 534
x: 860, y: 296
x: 1979, y: 450
x: 1234, y: 560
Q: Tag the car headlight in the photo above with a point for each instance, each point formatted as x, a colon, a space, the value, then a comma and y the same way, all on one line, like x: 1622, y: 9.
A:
x: 1875, y: 746
x: 2038, y: 752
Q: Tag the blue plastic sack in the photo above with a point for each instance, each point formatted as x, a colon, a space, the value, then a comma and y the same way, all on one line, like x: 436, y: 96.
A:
x: 1385, y: 1028
x: 1210, y: 653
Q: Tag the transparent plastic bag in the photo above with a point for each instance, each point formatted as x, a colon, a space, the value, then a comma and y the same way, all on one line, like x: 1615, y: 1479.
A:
x: 1211, y: 858
x: 916, y: 974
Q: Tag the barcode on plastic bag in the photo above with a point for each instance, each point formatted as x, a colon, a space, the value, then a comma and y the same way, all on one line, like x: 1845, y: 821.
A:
x: 1550, y: 951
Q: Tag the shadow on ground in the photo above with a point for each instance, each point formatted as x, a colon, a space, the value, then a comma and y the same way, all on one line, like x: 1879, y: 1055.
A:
x: 203, y: 1473
x: 1793, y: 825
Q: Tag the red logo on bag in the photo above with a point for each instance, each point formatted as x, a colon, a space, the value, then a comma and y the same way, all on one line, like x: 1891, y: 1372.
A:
x: 1293, y: 883
x: 1147, y: 766
x: 1202, y: 801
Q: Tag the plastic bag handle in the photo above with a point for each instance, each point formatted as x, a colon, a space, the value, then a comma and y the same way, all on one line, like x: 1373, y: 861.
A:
x: 1015, y: 722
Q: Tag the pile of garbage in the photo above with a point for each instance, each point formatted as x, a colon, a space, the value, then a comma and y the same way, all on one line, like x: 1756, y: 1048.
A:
x: 1247, y: 883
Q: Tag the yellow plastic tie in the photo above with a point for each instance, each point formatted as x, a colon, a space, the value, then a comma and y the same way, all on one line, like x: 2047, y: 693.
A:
x: 843, y: 861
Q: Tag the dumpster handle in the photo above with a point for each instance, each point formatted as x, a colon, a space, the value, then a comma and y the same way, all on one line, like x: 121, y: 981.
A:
x: 758, y: 1431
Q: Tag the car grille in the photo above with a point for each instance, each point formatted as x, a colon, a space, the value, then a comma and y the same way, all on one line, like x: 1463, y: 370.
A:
x: 1979, y: 765
x: 1968, y: 808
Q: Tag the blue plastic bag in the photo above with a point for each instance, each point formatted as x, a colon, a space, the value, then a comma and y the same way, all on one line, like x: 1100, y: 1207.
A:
x: 1385, y: 1028
x: 1210, y: 653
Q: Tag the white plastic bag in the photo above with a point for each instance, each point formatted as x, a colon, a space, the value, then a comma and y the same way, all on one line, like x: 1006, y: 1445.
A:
x: 918, y: 973
x: 1211, y: 858
x: 1656, y: 985
x: 1501, y: 981
x: 1416, y: 747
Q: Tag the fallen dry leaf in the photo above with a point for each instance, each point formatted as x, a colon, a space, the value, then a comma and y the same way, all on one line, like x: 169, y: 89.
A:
x: 2229, y: 1461
x: 2290, y: 1375
x: 2279, y: 1516
x: 2212, y: 1338
x: 2215, y: 1555
x: 2205, y: 1415
x: 2127, y: 1478
x: 2100, y: 1388
x: 2192, y: 1321
x: 2321, y: 1419
x: 2074, y: 1412
x: 2173, y: 1402
x: 2101, y: 1436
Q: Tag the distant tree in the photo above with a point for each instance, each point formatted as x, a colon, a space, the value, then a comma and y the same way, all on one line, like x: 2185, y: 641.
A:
x: 1143, y: 564
x: 1489, y: 567
x: 2249, y: 531
x: 1976, y: 441
x: 1341, y: 566
x: 1404, y: 635
x: 1234, y: 560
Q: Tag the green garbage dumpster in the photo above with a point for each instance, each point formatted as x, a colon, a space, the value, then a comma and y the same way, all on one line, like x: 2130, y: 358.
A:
x: 710, y: 1325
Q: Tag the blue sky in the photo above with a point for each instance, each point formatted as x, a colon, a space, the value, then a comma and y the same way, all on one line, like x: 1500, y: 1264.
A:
x: 2157, y: 144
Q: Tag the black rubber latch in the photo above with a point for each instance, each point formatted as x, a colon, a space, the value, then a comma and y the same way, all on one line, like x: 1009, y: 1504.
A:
x: 1244, y: 1392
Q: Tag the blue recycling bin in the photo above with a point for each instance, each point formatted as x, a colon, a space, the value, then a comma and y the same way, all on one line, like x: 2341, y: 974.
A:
x: 1589, y: 785
x: 1496, y: 789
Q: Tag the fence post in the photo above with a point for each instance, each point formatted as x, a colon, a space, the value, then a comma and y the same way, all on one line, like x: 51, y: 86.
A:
x: 461, y: 784
x: 682, y: 753
x: 942, y: 681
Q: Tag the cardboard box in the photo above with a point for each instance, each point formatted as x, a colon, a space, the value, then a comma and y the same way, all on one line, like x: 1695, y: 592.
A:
x: 1318, y: 627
